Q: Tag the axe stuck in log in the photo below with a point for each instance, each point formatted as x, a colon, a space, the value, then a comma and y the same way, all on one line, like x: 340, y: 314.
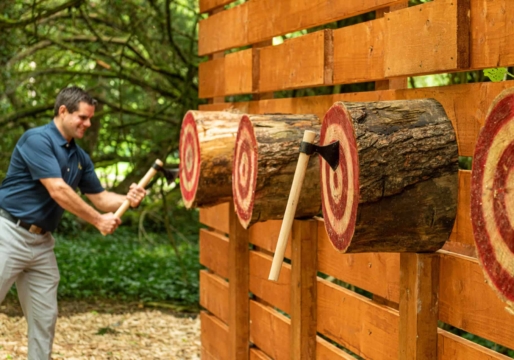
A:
x: 169, y: 174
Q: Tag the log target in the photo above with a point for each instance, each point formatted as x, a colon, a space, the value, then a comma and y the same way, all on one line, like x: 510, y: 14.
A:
x: 492, y: 196
x: 395, y: 189
x: 265, y: 157
x: 206, y: 147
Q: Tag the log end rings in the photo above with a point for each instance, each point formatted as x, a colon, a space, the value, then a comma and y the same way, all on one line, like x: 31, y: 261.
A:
x: 189, y: 150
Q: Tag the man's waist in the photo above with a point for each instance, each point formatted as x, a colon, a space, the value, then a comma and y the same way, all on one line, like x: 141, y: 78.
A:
x: 29, y: 227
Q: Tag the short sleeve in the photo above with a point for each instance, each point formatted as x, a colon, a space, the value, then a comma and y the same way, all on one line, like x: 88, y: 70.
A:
x: 38, y: 155
x: 89, y: 183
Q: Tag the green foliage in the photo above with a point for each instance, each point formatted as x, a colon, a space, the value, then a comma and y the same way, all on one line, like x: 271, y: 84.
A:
x: 120, y: 267
x: 497, y: 74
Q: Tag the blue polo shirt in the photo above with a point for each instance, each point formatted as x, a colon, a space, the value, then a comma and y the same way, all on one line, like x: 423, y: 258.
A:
x: 43, y: 153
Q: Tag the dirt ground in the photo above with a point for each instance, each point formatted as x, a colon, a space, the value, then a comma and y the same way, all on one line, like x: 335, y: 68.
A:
x: 103, y: 330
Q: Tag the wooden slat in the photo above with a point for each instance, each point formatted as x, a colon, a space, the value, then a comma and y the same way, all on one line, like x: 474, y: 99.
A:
x: 453, y: 347
x: 327, y: 351
x: 419, y: 286
x: 214, y: 295
x: 216, y: 217
x: 265, y: 236
x: 208, y: 5
x: 238, y: 274
x: 224, y: 30
x: 270, y: 331
x: 264, y: 19
x: 211, y: 75
x: 367, y: 329
x: 275, y: 293
x: 214, y: 338
x: 303, y: 289
x: 256, y: 354
x: 378, y: 273
x: 492, y: 30
x: 466, y: 105
x: 297, y: 63
x: 214, y: 252
x: 468, y: 303
x: 238, y: 72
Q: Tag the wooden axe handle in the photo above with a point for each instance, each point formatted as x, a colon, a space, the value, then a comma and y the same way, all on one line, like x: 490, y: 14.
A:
x: 143, y: 182
x: 292, y: 202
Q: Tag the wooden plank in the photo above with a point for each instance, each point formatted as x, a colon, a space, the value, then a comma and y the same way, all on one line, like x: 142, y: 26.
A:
x: 265, y: 236
x: 419, y: 286
x: 492, y: 29
x: 214, y: 295
x: 327, y: 351
x: 211, y: 75
x: 256, y: 354
x: 467, y: 302
x: 275, y: 293
x: 437, y: 40
x: 238, y: 274
x: 214, y: 252
x: 214, y: 338
x: 238, y: 72
x: 375, y: 272
x: 303, y: 289
x: 453, y: 347
x: 349, y: 318
x: 297, y: 63
x: 224, y: 30
x: 216, y: 217
x: 270, y: 331
x: 208, y: 5
x: 248, y: 107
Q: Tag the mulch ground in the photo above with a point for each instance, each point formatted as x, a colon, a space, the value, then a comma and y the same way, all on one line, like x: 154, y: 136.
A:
x: 106, y: 330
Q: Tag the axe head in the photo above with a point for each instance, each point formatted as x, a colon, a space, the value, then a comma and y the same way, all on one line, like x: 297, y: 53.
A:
x: 169, y: 174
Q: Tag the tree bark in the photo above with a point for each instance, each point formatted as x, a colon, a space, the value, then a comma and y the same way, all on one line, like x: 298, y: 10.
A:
x: 206, y: 148
x: 396, y: 187
x: 265, y: 157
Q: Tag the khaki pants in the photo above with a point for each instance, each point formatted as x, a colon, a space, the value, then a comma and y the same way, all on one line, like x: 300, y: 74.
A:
x: 29, y: 260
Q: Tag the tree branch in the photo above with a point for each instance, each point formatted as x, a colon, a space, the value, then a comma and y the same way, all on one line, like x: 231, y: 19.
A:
x: 6, y: 23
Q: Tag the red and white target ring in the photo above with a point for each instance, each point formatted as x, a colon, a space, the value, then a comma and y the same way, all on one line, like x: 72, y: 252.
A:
x: 492, y: 197
x: 189, y: 151
x: 244, y: 175
x: 340, y: 188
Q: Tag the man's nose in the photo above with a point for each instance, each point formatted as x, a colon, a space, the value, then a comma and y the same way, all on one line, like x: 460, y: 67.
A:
x: 87, y: 123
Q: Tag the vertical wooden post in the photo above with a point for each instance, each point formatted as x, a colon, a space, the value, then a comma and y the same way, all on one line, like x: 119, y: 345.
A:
x: 419, y: 308
x: 304, y: 260
x: 238, y: 275
x: 256, y: 71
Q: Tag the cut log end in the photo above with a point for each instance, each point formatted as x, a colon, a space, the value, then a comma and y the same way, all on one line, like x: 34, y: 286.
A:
x: 492, y: 196
x: 244, y: 171
x: 189, y: 169
x: 340, y: 188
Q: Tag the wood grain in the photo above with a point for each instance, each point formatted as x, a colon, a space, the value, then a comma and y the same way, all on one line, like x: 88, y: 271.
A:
x: 211, y: 78
x: 214, y: 252
x: 256, y: 354
x: 265, y: 236
x: 270, y: 331
x: 208, y: 5
x: 216, y: 217
x: 214, y: 295
x: 214, y: 338
x: 453, y: 347
x: 238, y: 72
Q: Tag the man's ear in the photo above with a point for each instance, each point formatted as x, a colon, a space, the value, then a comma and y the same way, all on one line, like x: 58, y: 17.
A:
x: 62, y: 110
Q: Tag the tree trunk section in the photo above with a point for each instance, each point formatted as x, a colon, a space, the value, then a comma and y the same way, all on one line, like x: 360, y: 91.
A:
x: 206, y: 148
x: 265, y: 157
x: 395, y: 189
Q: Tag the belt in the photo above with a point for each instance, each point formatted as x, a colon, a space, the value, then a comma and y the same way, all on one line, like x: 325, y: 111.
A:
x: 34, y: 229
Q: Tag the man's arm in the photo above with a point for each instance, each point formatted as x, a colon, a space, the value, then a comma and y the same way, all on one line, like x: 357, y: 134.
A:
x: 109, y: 201
x: 68, y: 199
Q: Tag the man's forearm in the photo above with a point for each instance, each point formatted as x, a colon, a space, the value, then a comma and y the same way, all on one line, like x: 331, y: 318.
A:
x: 109, y: 201
x: 72, y: 202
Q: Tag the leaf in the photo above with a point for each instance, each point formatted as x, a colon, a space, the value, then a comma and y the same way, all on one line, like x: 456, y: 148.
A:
x: 496, y: 74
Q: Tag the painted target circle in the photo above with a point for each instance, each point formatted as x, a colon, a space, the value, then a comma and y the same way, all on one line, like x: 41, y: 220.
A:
x: 189, y: 152
x: 244, y: 175
x: 492, y: 196
x: 340, y: 188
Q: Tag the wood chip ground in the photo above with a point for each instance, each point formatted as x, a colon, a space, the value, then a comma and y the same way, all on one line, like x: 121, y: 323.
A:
x: 106, y: 331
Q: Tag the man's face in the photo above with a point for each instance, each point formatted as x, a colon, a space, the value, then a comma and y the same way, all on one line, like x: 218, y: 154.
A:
x: 75, y: 124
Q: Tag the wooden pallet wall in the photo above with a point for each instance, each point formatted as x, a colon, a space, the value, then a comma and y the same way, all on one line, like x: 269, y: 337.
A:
x: 308, y: 313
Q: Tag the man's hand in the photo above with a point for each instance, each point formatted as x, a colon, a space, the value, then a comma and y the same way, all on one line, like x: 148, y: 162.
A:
x: 107, y: 223
x: 135, y: 195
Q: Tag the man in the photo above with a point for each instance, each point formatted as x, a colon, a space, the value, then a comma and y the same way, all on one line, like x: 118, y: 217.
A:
x: 46, y: 168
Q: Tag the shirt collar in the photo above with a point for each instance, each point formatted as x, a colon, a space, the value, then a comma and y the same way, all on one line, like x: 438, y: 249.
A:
x: 58, y: 136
